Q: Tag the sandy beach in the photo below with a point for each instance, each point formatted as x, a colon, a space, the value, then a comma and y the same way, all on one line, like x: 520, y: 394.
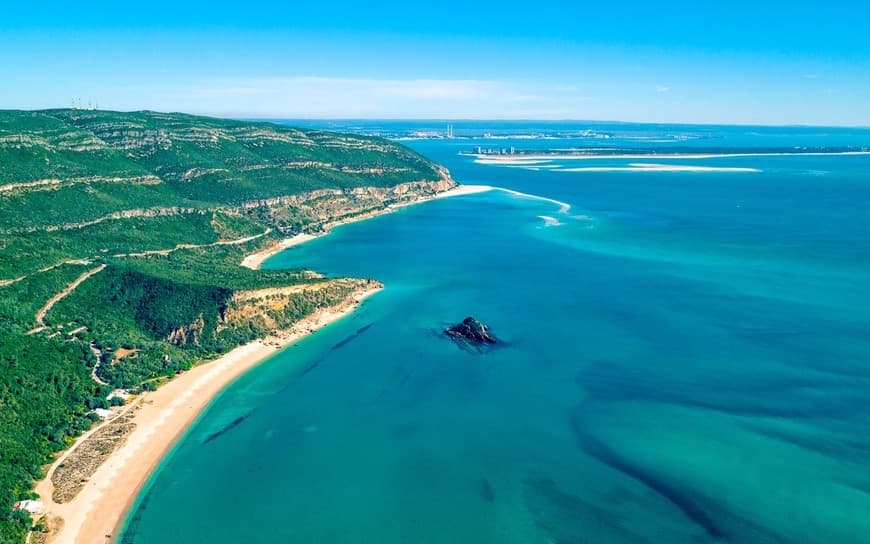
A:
x: 160, y: 417
x: 255, y: 260
x: 464, y: 190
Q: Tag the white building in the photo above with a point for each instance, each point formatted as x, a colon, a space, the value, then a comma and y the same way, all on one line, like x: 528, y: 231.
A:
x: 104, y: 414
x: 32, y: 506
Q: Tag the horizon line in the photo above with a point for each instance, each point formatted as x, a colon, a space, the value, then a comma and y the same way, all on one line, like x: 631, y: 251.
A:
x: 538, y: 120
x: 278, y: 117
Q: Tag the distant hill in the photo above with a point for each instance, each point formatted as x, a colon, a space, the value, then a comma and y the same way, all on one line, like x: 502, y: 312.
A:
x: 121, y: 236
x: 68, y: 166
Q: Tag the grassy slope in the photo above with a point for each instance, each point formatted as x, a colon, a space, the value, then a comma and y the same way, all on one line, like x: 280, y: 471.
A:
x: 182, y: 180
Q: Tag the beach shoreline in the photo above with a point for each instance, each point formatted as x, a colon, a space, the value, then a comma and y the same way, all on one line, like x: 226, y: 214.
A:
x: 255, y: 260
x: 99, y: 510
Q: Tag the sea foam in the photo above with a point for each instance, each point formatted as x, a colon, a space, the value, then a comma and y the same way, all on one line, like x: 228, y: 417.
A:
x: 564, y: 207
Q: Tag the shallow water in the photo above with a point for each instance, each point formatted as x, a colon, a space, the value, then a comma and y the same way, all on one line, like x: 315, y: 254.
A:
x: 685, y: 358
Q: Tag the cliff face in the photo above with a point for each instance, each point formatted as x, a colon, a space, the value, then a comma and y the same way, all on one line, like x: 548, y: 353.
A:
x: 275, y: 310
x: 266, y: 311
x: 318, y: 210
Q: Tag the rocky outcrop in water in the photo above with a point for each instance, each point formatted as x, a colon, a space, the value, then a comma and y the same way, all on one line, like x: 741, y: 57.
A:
x: 471, y: 330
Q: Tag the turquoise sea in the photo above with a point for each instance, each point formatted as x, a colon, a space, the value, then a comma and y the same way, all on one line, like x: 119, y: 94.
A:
x: 685, y: 359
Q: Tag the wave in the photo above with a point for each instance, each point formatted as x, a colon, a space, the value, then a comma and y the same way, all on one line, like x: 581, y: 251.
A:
x: 550, y: 221
x: 563, y: 206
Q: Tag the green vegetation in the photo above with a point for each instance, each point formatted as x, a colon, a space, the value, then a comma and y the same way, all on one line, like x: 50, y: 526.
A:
x: 161, y: 208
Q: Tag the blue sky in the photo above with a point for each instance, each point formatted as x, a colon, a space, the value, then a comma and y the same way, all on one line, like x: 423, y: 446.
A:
x: 760, y: 62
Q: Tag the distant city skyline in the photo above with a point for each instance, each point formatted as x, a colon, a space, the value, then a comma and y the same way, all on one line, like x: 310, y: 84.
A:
x: 776, y: 63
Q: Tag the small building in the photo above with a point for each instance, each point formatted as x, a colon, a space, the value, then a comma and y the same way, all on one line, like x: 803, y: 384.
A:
x: 104, y: 414
x: 31, y: 506
x: 122, y: 394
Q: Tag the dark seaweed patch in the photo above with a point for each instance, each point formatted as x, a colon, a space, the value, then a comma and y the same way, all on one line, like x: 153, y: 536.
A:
x: 570, y: 519
x: 487, y: 493
x: 234, y: 423
x: 351, y: 338
x: 856, y: 448
x: 129, y: 535
x: 312, y: 366
x: 680, y: 497
x: 405, y: 378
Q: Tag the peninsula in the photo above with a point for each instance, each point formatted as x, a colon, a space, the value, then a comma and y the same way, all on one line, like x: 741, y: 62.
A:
x: 122, y: 237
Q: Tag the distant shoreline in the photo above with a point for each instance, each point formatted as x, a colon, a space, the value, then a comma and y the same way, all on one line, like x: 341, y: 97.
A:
x: 520, y: 157
x: 255, y: 260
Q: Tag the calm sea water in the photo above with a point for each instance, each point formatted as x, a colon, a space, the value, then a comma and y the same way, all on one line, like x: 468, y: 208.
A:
x: 685, y: 358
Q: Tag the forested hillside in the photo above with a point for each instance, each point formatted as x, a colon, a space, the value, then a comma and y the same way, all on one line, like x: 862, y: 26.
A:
x: 121, y: 236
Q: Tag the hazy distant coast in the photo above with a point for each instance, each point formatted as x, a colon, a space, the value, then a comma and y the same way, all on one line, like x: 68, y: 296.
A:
x: 516, y: 155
